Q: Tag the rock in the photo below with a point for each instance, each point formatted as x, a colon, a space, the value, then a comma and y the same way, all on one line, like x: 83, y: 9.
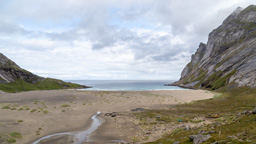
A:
x: 202, y: 132
x: 211, y: 132
x: 187, y: 127
x: 11, y: 72
x: 158, y: 117
x: 177, y: 142
x: 198, y: 139
x: 232, y: 137
x: 110, y: 114
x: 137, y: 109
x: 254, y: 111
x: 230, y: 54
x: 246, y: 112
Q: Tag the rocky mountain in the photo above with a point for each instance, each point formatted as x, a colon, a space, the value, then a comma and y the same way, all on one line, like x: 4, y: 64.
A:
x: 228, y: 58
x: 10, y: 72
x: 15, y: 79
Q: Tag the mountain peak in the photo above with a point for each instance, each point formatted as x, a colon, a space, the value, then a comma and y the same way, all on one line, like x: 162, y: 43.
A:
x: 229, y: 57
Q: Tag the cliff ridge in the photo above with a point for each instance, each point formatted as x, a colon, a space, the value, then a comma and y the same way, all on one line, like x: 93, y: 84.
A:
x: 229, y: 57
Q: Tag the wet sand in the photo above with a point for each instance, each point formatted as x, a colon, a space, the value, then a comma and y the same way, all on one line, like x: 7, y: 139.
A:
x: 57, y: 111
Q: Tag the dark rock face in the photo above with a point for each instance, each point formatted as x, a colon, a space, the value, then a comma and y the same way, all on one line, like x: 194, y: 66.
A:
x: 229, y: 57
x: 10, y: 72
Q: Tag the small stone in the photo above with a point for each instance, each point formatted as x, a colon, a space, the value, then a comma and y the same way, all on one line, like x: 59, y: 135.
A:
x: 187, y: 128
x: 211, y: 132
x: 177, y: 142
x: 202, y: 132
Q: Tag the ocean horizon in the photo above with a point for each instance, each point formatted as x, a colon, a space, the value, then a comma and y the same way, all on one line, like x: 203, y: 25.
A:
x: 126, y: 85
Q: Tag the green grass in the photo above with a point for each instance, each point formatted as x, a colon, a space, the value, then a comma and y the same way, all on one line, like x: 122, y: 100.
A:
x: 33, y: 110
x: 20, y: 109
x: 46, y: 84
x: 45, y: 112
x: 227, y: 106
x: 65, y: 105
x: 6, y: 107
x: 11, y: 140
x: 222, y: 81
x: 15, y: 135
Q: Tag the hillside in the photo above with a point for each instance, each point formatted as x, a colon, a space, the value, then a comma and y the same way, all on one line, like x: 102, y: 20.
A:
x: 15, y: 79
x: 228, y: 58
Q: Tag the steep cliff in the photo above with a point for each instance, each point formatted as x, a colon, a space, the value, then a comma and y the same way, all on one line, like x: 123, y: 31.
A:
x: 15, y: 79
x: 228, y: 58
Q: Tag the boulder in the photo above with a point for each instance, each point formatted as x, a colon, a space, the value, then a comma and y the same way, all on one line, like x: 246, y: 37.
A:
x: 254, y: 111
x: 198, y: 139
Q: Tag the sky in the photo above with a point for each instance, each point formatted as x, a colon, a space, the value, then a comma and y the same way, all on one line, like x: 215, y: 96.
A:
x: 108, y: 39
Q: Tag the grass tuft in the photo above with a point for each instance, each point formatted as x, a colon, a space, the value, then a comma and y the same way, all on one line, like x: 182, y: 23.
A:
x: 15, y: 135
x: 11, y: 140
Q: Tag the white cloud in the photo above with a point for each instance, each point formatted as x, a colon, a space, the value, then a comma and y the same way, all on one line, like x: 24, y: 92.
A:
x: 101, y: 39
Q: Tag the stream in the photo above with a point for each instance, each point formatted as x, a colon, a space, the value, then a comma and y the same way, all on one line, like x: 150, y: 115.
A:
x: 79, y: 137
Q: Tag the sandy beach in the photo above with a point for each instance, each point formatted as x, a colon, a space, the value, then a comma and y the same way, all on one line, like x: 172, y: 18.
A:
x: 37, y: 114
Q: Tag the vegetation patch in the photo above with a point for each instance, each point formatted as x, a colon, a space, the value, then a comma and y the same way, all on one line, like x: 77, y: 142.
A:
x: 19, y: 121
x: 45, y: 111
x: 65, y: 105
x: 33, y: 110
x: 46, y: 84
x: 15, y: 135
x: 11, y: 140
x: 233, y: 124
x: 6, y: 107
x: 222, y: 81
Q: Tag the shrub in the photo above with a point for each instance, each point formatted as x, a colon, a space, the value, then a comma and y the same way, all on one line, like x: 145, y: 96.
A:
x: 19, y: 120
x: 33, y: 110
x: 6, y: 107
x: 45, y: 111
x: 20, y: 109
x: 65, y: 105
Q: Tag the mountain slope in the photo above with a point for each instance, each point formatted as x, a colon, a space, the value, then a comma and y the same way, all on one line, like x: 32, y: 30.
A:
x: 15, y: 79
x: 228, y: 58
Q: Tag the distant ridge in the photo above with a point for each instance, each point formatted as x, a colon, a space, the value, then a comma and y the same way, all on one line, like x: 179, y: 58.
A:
x: 228, y: 58
x: 15, y: 79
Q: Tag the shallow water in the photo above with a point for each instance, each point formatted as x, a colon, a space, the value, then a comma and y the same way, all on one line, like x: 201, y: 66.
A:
x: 127, y: 85
x: 83, y: 136
x: 80, y: 137
x: 50, y: 136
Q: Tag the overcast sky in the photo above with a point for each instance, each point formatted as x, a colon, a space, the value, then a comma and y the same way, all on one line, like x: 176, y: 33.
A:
x: 108, y: 39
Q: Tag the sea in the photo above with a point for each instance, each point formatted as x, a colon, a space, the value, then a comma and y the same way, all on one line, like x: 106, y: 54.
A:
x: 126, y: 85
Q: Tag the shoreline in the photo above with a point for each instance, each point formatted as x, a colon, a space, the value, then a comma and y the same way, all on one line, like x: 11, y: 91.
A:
x: 70, y: 111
